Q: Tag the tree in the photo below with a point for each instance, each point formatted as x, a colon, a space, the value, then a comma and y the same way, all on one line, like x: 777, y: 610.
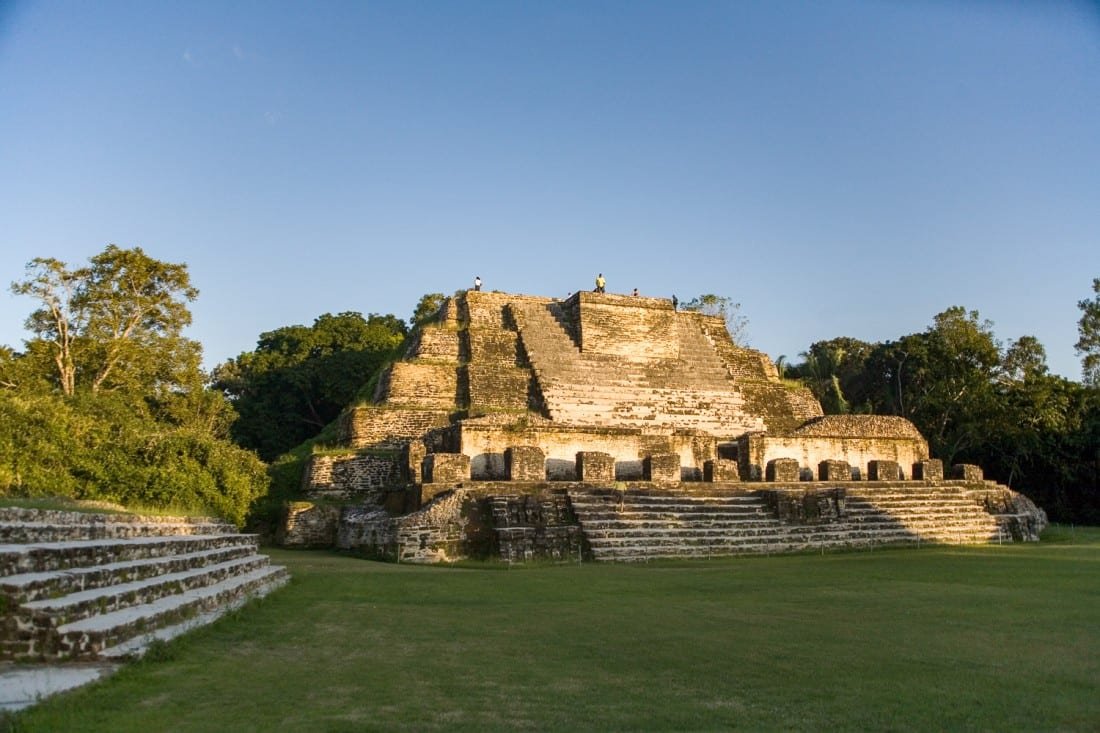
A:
x: 719, y: 305
x: 834, y: 370
x: 114, y: 325
x: 428, y: 305
x: 1088, y: 345
x: 1024, y: 359
x: 299, y: 378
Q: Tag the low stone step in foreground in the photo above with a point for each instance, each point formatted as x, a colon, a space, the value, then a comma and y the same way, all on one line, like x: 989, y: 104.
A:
x: 93, y: 587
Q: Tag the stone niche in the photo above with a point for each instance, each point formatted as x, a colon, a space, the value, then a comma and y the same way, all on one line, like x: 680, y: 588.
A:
x: 446, y: 468
x: 831, y: 470
x: 967, y: 472
x: 661, y: 467
x: 928, y: 470
x: 720, y: 469
x: 593, y: 466
x: 881, y: 470
x: 782, y: 469
x: 524, y: 463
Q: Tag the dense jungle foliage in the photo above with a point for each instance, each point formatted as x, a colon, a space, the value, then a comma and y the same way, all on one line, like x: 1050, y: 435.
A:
x: 978, y: 401
x: 107, y: 399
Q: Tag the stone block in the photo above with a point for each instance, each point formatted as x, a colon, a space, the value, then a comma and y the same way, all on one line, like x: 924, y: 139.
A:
x: 414, y: 454
x: 593, y: 466
x: 524, y: 463
x: 883, y: 471
x: 446, y: 468
x: 967, y: 472
x: 834, y: 471
x: 721, y: 470
x: 930, y: 469
x: 661, y: 467
x: 782, y: 469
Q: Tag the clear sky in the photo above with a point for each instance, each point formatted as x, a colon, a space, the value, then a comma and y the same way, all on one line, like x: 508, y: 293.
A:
x: 840, y: 168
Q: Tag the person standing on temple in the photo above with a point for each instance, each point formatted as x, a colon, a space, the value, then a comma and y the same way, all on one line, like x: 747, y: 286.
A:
x: 600, y: 283
x: 477, y: 283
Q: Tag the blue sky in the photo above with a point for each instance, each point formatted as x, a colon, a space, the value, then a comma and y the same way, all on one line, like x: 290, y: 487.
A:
x: 839, y: 168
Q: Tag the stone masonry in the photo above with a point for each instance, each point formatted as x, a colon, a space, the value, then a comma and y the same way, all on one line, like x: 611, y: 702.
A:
x: 617, y: 427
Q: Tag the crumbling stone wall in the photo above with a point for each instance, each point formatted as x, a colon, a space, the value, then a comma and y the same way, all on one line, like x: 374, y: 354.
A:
x: 353, y: 475
x: 370, y: 426
x: 309, y: 524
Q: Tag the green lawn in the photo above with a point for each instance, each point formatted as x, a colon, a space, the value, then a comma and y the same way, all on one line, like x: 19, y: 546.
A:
x: 991, y: 638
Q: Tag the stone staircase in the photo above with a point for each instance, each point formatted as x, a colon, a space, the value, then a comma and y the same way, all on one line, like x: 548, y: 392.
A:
x: 635, y: 526
x: 938, y: 514
x: 78, y: 586
x: 693, y: 391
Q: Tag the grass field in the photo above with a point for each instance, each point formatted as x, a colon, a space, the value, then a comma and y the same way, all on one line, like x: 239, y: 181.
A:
x: 976, y: 638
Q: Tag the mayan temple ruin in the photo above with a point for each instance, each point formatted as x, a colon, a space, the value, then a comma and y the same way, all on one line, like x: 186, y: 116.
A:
x: 611, y: 427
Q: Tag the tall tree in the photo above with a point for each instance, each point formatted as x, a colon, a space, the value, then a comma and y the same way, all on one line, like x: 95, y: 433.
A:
x: 299, y: 378
x: 1088, y: 345
x: 115, y: 324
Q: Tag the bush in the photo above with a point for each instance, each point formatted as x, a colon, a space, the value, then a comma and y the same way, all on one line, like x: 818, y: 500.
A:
x: 102, y: 448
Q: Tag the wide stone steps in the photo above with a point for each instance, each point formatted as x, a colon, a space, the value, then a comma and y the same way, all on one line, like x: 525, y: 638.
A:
x: 45, y: 556
x: 22, y: 531
x: 628, y: 527
x: 95, y: 636
x: 77, y: 598
x: 26, y: 587
x: 82, y: 604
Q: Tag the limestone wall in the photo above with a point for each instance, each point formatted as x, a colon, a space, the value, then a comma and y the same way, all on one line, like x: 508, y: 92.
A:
x: 627, y: 326
x: 352, y: 475
x: 309, y: 525
x: 756, y: 450
x: 485, y: 444
x: 369, y: 426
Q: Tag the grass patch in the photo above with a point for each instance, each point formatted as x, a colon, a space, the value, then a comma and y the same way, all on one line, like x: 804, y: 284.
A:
x: 941, y: 638
x: 60, y: 503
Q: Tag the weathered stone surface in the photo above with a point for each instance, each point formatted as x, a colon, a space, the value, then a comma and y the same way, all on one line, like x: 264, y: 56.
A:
x: 930, y: 469
x: 308, y: 524
x: 524, y: 463
x: 596, y: 383
x: 783, y: 469
x: 883, y: 471
x: 720, y: 469
x: 834, y: 471
x: 967, y: 472
x: 661, y: 467
x: 359, y: 475
x: 595, y: 467
x: 446, y: 468
x: 82, y: 586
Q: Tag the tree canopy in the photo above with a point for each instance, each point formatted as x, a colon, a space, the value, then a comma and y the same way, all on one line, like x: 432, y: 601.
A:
x: 107, y: 399
x: 1088, y: 328
x: 299, y: 378
x: 115, y: 324
x: 975, y: 402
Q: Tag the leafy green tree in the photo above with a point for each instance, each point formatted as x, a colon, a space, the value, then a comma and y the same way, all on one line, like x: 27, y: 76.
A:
x: 834, y: 370
x: 1088, y: 345
x: 299, y: 378
x: 428, y: 305
x: 719, y: 305
x: 114, y: 325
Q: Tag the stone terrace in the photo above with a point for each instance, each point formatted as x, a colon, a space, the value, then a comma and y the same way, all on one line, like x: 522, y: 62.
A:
x: 101, y: 586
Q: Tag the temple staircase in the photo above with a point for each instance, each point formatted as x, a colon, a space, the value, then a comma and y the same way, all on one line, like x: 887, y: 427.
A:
x: 692, y: 391
x: 636, y: 526
x: 100, y: 586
